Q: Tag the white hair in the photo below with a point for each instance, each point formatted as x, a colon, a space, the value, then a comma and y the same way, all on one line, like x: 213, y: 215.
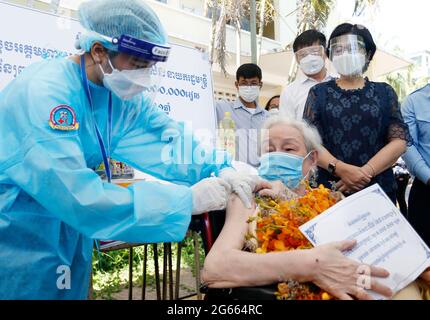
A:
x: 310, y: 134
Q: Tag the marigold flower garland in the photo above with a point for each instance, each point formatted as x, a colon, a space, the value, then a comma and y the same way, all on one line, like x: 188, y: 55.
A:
x: 277, y: 229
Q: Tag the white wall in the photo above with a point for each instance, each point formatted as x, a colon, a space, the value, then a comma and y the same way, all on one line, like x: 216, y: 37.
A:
x: 286, y: 27
x: 193, y: 6
x: 191, y: 29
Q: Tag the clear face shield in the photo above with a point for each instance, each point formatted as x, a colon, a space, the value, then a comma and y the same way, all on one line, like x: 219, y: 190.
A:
x: 311, y: 59
x: 129, y: 83
x: 136, y: 69
x: 348, y: 54
x: 314, y: 51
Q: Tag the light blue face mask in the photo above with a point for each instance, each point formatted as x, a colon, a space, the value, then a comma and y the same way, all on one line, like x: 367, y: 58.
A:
x: 282, y: 166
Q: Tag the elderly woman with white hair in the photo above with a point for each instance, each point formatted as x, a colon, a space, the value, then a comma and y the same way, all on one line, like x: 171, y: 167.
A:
x: 290, y: 153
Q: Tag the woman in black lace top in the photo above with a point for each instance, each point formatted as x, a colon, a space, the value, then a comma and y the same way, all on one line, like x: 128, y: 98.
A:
x: 359, y: 120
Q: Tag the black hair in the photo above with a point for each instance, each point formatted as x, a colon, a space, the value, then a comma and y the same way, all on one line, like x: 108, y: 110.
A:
x: 270, y: 100
x: 359, y: 30
x: 248, y: 71
x: 309, y: 38
x: 112, y: 54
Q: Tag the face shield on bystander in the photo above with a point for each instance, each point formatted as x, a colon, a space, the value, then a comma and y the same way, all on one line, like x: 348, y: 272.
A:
x: 311, y: 59
x: 348, y: 54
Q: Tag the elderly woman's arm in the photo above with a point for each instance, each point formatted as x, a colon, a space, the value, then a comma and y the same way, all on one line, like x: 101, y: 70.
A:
x: 228, y: 266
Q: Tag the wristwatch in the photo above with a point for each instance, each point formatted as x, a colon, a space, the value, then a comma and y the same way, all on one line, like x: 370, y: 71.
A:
x: 332, y: 168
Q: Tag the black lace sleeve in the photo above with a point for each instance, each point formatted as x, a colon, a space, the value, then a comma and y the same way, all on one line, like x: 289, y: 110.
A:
x: 311, y: 114
x: 397, y: 128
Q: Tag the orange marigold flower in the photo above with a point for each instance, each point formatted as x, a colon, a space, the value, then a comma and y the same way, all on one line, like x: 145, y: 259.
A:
x: 279, y: 231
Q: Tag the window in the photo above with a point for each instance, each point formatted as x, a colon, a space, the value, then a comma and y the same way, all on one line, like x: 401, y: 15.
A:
x: 224, y: 95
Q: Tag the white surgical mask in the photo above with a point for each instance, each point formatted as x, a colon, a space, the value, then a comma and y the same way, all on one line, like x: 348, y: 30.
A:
x: 312, y: 64
x: 127, y: 83
x: 350, y: 64
x: 249, y: 93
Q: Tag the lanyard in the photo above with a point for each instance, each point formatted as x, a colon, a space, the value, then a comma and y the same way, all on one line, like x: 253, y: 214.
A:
x: 105, y: 152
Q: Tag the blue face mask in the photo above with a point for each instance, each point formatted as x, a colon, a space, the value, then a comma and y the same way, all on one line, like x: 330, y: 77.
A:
x: 282, y: 166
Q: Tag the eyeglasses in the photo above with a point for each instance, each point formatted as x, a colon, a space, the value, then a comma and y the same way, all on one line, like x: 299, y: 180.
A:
x: 131, y: 62
x: 250, y: 84
x: 142, y: 63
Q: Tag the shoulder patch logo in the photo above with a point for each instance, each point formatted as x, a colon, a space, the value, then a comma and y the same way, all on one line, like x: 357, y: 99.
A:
x: 63, y: 118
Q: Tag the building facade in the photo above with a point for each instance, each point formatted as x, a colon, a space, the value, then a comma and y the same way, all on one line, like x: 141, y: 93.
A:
x: 422, y: 64
x: 188, y: 22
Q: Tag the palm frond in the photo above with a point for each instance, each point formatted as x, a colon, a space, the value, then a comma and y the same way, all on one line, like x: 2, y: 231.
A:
x: 313, y: 14
x: 361, y: 5
x: 232, y: 12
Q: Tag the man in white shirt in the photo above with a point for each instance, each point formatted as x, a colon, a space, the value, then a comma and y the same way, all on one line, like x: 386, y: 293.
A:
x: 309, y: 49
x: 246, y: 113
